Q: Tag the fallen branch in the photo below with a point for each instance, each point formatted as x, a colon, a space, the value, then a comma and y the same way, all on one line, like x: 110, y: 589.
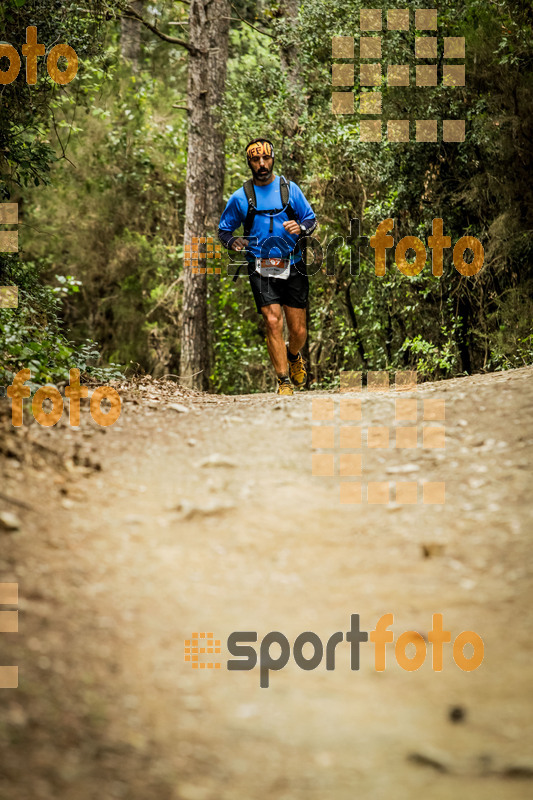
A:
x: 16, y: 502
x: 130, y: 13
x: 250, y: 24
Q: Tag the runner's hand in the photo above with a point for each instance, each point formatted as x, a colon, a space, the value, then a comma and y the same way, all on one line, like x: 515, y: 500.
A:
x: 292, y: 227
x: 239, y: 244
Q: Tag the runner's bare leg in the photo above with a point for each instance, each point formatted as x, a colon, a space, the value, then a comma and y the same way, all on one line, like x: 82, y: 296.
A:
x: 277, y: 351
x: 297, y: 328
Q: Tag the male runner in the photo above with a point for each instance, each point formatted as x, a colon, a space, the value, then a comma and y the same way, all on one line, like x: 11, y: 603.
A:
x: 276, y: 216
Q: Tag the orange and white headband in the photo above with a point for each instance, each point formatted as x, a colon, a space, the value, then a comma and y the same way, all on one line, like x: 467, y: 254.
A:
x: 260, y: 149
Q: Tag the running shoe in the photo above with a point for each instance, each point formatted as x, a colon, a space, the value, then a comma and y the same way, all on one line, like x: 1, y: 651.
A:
x: 298, y: 372
x: 284, y: 386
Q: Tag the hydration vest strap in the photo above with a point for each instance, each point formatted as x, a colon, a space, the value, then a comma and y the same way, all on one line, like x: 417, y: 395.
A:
x: 249, y: 191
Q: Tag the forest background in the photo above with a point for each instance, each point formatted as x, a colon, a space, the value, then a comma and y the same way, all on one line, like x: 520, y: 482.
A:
x: 114, y: 171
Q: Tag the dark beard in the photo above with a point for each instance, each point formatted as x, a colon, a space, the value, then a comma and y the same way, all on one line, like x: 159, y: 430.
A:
x: 263, y: 176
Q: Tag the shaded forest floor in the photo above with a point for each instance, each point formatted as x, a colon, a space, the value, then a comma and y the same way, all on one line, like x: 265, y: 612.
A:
x: 207, y: 518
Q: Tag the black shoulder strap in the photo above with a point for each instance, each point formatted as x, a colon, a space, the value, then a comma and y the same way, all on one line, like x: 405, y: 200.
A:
x: 301, y: 244
x: 249, y: 191
x: 285, y: 194
x: 284, y: 190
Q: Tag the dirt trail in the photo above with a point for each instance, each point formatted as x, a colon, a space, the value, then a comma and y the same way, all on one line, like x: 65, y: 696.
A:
x: 117, y: 567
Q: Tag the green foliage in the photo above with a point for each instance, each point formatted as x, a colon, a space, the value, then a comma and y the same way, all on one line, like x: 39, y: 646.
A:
x: 430, y: 360
x: 107, y: 232
x: 482, y: 187
x: 241, y: 364
x: 512, y: 344
x: 118, y: 215
x: 25, y: 110
x: 32, y: 335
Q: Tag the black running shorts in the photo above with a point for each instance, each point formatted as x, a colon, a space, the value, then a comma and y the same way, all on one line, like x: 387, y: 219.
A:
x: 292, y: 292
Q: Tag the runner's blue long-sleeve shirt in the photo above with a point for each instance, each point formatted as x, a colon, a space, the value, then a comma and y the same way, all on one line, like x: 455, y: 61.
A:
x: 262, y: 242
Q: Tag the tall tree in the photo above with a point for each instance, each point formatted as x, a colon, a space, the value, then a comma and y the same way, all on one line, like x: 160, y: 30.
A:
x: 207, y: 45
x: 130, y: 36
x: 292, y: 153
x: 208, y: 38
x: 290, y: 63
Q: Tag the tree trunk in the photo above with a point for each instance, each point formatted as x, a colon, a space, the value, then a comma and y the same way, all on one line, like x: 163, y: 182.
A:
x: 208, y: 36
x: 289, y: 51
x: 130, y: 36
x: 291, y: 153
x: 292, y: 156
x: 462, y: 338
x: 355, y: 326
